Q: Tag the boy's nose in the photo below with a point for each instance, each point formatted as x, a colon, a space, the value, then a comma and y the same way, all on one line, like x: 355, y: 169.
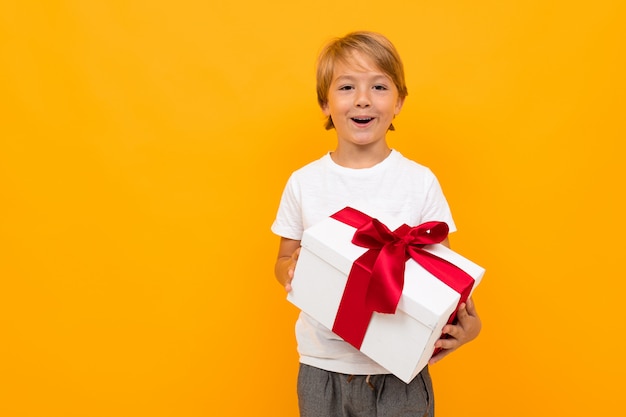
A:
x: 362, y: 99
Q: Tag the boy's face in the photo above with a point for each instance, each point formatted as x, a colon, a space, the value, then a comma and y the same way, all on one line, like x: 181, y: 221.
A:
x: 362, y: 102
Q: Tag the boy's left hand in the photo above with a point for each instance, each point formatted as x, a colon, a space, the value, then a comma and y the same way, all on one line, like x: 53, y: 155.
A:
x: 467, y: 327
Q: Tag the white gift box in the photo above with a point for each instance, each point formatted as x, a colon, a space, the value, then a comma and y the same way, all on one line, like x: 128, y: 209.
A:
x: 402, y: 342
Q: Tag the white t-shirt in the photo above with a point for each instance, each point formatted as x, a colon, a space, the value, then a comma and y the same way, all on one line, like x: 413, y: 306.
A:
x: 396, y: 187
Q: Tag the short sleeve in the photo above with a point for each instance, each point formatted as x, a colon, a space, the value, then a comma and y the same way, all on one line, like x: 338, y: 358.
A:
x: 436, y: 207
x: 288, y: 222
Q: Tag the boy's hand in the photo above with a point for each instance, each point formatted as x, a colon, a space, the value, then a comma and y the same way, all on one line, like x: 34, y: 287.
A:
x: 288, y: 253
x: 291, y: 268
x: 467, y: 327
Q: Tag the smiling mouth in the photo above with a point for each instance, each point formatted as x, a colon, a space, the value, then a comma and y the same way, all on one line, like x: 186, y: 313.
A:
x: 362, y: 120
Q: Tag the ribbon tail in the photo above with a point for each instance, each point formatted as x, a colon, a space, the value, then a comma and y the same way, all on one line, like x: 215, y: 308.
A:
x: 387, y: 280
x: 353, y: 315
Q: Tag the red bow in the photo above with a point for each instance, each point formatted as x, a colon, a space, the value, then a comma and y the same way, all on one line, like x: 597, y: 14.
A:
x: 376, y: 279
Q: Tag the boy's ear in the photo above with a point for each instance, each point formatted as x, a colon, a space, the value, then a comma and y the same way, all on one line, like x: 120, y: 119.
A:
x: 325, y: 109
x: 399, y: 105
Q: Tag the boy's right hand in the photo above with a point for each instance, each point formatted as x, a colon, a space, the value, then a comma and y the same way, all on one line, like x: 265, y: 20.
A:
x: 284, y: 269
x: 291, y: 268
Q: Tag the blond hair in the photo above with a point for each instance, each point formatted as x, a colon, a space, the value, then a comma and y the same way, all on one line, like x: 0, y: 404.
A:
x: 375, y: 46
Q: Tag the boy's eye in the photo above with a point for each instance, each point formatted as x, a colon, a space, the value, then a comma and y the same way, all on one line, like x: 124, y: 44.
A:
x: 346, y: 87
x: 380, y: 87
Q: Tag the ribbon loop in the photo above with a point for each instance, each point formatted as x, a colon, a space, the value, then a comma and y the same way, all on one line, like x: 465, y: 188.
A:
x: 373, y: 235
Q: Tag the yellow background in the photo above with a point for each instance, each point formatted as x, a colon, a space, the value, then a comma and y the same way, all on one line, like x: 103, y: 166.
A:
x: 144, y: 146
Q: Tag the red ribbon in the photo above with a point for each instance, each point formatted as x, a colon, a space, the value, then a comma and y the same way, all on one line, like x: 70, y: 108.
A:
x: 376, y: 279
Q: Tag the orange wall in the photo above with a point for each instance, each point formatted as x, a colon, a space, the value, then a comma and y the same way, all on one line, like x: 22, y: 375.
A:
x: 144, y: 146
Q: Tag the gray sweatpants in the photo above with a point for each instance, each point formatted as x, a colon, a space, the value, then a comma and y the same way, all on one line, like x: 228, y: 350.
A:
x: 329, y: 394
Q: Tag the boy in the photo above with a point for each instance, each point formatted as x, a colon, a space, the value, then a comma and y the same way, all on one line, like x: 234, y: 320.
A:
x: 360, y: 88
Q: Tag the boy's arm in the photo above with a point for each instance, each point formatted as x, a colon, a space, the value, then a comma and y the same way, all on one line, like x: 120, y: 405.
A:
x: 466, y: 329
x: 288, y: 252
